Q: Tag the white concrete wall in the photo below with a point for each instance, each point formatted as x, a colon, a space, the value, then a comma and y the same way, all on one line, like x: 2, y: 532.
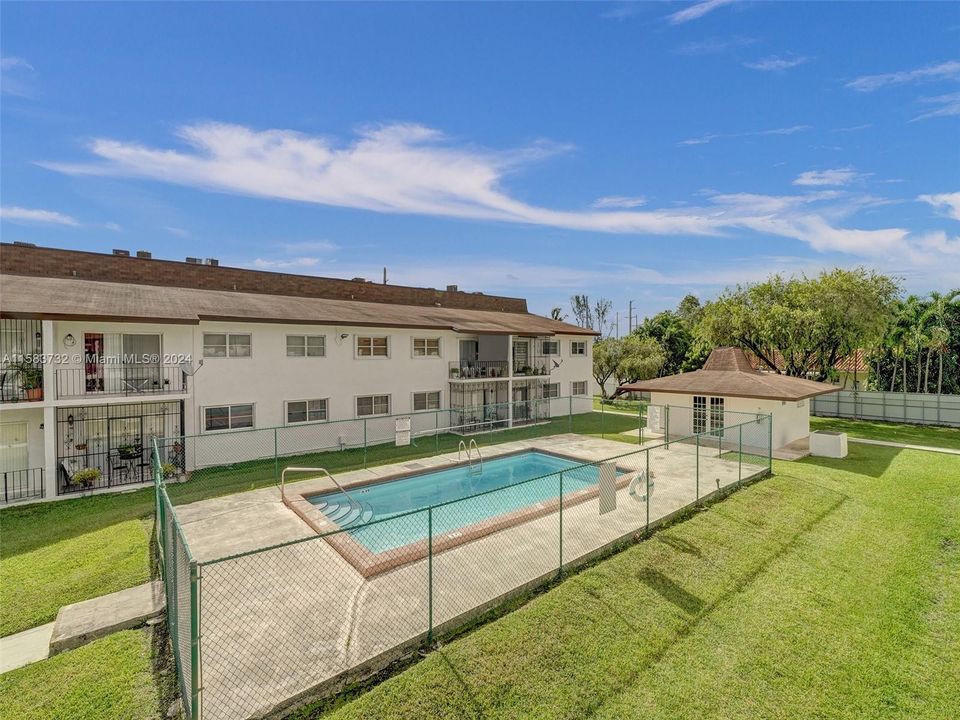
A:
x: 268, y: 378
x: 791, y: 419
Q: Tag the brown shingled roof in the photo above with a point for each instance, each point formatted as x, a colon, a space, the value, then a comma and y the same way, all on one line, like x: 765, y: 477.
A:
x: 66, y: 299
x: 728, y: 372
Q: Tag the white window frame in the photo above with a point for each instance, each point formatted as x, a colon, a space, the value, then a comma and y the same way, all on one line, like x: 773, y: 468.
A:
x: 307, y: 419
x: 356, y: 347
x: 373, y: 405
x: 229, y: 428
x: 306, y: 345
x: 413, y: 400
x: 573, y: 348
x: 425, y: 340
x: 226, y: 355
x: 554, y: 345
x: 546, y: 392
x: 573, y: 387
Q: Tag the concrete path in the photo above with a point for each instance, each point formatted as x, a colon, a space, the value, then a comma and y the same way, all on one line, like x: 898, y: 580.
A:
x: 905, y: 446
x: 89, y: 620
x: 25, y: 647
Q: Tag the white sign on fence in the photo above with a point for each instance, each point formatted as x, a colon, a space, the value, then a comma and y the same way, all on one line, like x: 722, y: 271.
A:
x: 402, y: 431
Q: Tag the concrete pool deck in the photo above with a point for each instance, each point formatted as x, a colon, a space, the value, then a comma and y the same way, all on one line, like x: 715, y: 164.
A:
x: 299, y: 620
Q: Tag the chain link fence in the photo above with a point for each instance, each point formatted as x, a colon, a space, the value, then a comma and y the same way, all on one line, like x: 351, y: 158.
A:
x: 260, y: 631
x: 916, y: 408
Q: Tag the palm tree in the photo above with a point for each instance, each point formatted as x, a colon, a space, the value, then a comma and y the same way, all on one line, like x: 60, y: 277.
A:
x: 940, y: 333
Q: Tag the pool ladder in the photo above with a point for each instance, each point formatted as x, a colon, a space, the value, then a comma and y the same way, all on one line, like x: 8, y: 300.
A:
x: 468, y: 449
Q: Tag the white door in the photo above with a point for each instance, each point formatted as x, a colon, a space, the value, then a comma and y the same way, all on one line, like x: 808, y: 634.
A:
x: 13, y: 447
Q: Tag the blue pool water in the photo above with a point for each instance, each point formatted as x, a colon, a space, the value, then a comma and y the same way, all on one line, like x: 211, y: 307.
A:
x: 500, y: 475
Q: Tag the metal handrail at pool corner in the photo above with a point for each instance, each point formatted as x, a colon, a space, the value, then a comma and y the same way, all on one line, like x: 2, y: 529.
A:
x: 283, y: 477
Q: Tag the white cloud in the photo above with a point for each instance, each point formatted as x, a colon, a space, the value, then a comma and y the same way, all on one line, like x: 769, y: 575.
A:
x: 704, y: 139
x: 777, y: 63
x: 619, y: 201
x: 712, y: 46
x: 178, y: 231
x: 113, y: 226
x: 949, y: 106
x: 412, y: 169
x: 696, y: 11
x: 12, y: 81
x: 12, y: 63
x: 320, y: 246
x: 942, y: 71
x: 287, y: 264
x: 947, y: 203
x: 31, y: 215
x: 837, y: 176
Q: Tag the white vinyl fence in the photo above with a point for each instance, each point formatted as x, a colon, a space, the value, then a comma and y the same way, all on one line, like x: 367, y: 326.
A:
x: 918, y: 408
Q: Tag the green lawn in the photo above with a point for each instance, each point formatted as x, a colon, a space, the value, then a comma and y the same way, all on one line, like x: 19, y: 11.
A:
x: 630, y: 406
x: 831, y: 590
x: 109, y: 678
x: 932, y: 435
x: 58, y: 553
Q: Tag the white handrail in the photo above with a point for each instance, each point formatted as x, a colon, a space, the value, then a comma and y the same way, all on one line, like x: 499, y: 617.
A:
x: 462, y: 447
x: 283, y: 477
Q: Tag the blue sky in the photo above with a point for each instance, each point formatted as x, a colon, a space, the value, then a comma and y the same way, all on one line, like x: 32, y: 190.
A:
x: 634, y: 151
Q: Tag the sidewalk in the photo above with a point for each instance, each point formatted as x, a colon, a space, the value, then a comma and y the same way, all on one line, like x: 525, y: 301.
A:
x: 905, y: 446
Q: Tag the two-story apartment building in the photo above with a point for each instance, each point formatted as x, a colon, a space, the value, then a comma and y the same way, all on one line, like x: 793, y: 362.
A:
x: 101, y: 353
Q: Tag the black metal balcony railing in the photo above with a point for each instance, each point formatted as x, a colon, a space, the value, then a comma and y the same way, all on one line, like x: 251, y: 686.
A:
x: 126, y: 465
x: 22, y: 485
x: 470, y: 369
x: 21, y: 383
x: 532, y: 366
x: 125, y: 380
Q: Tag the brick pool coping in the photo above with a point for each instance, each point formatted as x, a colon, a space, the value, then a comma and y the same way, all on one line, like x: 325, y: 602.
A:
x: 370, y: 564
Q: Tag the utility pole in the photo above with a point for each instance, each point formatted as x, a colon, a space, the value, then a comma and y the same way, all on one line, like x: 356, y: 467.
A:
x: 616, y: 325
x: 630, y: 318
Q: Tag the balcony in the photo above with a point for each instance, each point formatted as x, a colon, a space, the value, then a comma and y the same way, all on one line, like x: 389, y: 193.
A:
x: 21, y: 382
x: 478, y: 369
x: 120, y: 381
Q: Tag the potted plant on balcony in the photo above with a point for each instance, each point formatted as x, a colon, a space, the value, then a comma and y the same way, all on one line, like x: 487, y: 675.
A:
x: 454, y: 372
x: 87, y: 477
x: 31, y: 380
x: 129, y: 451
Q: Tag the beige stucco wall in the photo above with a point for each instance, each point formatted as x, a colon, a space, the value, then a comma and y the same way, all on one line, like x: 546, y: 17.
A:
x: 791, y: 419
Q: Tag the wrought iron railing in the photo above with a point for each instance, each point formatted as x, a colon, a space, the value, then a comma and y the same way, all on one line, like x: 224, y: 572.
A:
x: 122, y: 380
x: 26, y: 484
x: 472, y: 369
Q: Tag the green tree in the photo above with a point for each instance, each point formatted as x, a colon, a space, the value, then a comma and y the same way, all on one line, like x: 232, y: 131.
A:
x: 558, y: 314
x: 582, y: 312
x: 626, y: 359
x: 808, y: 322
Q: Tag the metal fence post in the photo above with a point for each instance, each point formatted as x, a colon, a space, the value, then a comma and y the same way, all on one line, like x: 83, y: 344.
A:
x: 697, y: 436
x: 883, y: 399
x: 364, y: 442
x: 195, y: 711
x: 430, y: 575
x: 276, y: 459
x: 770, y: 443
x: 436, y: 417
x: 666, y: 414
x: 570, y: 413
x: 740, y: 456
x: 647, y: 503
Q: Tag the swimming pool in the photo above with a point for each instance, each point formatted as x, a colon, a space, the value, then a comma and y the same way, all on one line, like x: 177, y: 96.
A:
x: 501, y: 482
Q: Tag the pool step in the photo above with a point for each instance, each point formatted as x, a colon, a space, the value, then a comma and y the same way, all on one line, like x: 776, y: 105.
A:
x: 345, y: 514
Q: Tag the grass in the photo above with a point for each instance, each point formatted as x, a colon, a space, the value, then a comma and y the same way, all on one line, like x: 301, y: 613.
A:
x: 931, y: 435
x: 620, y: 405
x: 831, y: 590
x: 109, y: 678
x: 58, y: 553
